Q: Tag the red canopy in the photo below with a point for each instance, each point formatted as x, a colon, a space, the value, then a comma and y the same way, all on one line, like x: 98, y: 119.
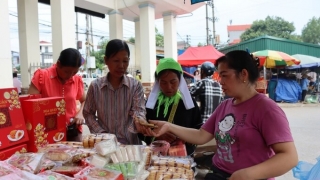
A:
x: 194, y: 56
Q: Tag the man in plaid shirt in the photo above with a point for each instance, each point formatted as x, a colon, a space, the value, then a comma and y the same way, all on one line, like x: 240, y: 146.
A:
x: 207, y: 90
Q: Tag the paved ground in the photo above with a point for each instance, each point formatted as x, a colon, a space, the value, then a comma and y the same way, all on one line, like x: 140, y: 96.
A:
x: 305, y: 126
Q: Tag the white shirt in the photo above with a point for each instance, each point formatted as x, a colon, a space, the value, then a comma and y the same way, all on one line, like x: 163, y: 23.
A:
x: 17, y: 84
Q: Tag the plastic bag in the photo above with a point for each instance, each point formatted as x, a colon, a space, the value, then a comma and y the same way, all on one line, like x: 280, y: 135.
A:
x: 307, y: 171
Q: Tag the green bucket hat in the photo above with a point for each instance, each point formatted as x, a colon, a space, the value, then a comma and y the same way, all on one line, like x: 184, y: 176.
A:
x: 168, y: 63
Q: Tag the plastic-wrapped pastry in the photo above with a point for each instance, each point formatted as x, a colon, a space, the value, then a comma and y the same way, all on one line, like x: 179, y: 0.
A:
x: 124, y: 154
x: 119, y: 156
x: 188, y: 172
x: 106, y: 147
x: 114, y: 158
x: 28, y: 161
x: 137, y: 153
x: 55, y: 176
x: 91, y: 173
x: 162, y: 175
x: 67, y: 170
x: 172, y: 162
x: 99, y: 161
x: 90, y: 140
x: 7, y: 171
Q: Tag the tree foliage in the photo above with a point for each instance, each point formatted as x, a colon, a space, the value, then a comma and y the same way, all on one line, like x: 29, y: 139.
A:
x: 311, y: 31
x: 271, y: 26
x: 200, y: 44
x: 159, y: 39
x: 99, y: 55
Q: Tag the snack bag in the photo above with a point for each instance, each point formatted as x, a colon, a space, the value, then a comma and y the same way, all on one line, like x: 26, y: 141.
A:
x: 92, y: 173
x: 49, y: 175
x: 30, y: 162
x: 90, y: 140
x: 7, y: 171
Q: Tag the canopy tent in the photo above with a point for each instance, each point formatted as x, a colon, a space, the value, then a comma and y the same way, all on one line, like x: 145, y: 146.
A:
x: 305, y: 61
x: 194, y: 56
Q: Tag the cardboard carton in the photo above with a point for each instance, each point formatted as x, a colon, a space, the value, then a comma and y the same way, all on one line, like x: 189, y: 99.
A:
x: 12, y: 126
x: 6, y: 153
x: 45, y: 121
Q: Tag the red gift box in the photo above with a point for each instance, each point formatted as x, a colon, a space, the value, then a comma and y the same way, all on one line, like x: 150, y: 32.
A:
x: 45, y: 121
x: 5, y: 154
x: 12, y: 126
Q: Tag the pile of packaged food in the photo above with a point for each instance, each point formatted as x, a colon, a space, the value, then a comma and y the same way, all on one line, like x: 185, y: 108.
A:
x: 99, y: 156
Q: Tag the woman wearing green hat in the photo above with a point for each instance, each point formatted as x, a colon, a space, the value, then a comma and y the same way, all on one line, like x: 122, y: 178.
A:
x: 170, y: 100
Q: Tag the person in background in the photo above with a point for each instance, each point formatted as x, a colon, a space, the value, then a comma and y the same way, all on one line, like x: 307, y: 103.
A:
x: 252, y: 132
x: 16, y: 82
x: 61, y: 80
x: 170, y: 101
x: 304, y: 86
x: 196, y: 76
x: 115, y: 103
x: 138, y: 75
x: 128, y: 74
x: 207, y: 90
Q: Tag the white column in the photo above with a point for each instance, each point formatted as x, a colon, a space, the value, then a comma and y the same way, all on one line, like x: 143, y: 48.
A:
x: 170, y: 35
x: 137, y: 43
x: 115, y: 24
x: 147, y: 36
x: 28, y: 38
x: 63, y: 26
x: 5, y: 50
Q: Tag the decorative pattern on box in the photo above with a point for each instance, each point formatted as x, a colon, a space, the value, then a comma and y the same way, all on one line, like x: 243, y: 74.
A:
x: 45, y: 121
x: 12, y: 126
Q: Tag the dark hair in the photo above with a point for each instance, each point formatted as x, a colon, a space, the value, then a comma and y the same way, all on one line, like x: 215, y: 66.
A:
x: 157, y: 76
x: 15, y: 74
x: 194, y: 73
x: 70, y: 57
x: 114, y: 46
x: 239, y: 60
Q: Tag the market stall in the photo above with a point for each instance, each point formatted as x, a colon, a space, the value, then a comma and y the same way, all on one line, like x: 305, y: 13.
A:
x: 34, y: 148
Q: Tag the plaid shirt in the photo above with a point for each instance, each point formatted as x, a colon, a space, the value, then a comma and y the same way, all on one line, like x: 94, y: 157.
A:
x: 210, y: 94
x: 115, y: 108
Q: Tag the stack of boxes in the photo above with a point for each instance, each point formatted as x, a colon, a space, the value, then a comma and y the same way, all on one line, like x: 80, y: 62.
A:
x: 29, y: 122
x: 14, y: 136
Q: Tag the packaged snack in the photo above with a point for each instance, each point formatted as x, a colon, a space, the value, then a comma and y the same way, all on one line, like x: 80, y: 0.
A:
x: 132, y: 169
x: 61, y: 153
x: 178, y: 150
x: 49, y: 175
x: 115, y: 167
x: 46, y: 164
x: 160, y: 147
x: 123, y: 169
x: 188, y: 172
x: 172, y: 162
x: 114, y: 157
x: 124, y: 154
x: 162, y: 175
x: 129, y: 150
x: 137, y: 153
x: 119, y: 156
x: 89, y: 141
x: 146, y: 156
x: 106, y: 147
x: 99, y: 161
x: 7, y: 171
x: 30, y: 162
x: 92, y: 173
x: 67, y: 170
x: 29, y: 176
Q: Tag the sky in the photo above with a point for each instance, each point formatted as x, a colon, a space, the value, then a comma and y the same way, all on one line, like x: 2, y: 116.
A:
x: 237, y: 11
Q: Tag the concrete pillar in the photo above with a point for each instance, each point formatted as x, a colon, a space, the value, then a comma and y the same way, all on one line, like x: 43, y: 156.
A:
x: 63, y: 26
x: 5, y: 50
x: 170, y: 35
x: 147, y: 36
x: 137, y: 43
x: 115, y: 24
x: 28, y: 38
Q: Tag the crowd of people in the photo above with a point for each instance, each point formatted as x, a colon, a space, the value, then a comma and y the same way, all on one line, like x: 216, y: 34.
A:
x: 252, y: 133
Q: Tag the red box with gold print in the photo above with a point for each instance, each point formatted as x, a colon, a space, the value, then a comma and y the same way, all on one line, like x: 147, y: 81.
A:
x: 12, y: 125
x: 45, y: 121
x: 6, y: 153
